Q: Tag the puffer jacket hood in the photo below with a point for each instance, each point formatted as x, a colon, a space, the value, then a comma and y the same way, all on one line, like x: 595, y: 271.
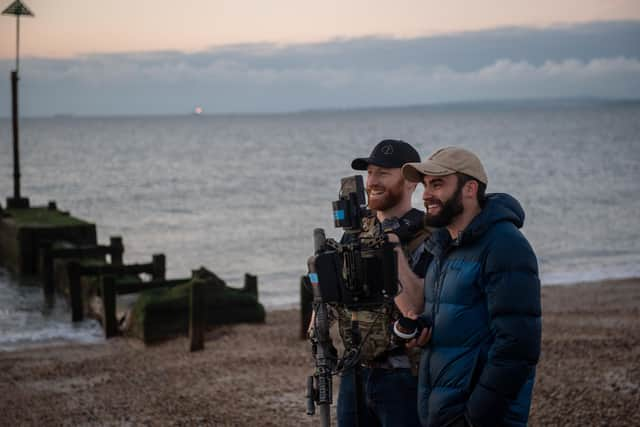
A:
x: 497, y: 207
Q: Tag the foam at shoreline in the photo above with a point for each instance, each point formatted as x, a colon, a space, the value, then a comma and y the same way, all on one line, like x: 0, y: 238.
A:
x: 57, y: 329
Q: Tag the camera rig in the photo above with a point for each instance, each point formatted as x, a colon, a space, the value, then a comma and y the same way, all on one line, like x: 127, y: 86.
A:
x: 359, y: 272
x: 362, y: 270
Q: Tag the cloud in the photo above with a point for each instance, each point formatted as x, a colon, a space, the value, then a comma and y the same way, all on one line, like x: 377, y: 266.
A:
x: 508, y: 79
x: 601, y: 59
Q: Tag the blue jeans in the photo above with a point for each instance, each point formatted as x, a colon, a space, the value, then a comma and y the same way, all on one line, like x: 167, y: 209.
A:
x: 390, y: 399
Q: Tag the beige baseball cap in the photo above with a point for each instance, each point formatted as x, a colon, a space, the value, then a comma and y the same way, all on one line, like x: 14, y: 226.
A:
x: 446, y: 161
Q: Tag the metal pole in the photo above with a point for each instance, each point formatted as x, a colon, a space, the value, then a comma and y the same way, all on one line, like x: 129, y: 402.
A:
x: 17, y: 42
x: 16, y: 149
x: 16, y: 8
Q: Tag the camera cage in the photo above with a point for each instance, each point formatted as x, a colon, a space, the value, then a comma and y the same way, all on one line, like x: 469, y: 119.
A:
x: 362, y: 272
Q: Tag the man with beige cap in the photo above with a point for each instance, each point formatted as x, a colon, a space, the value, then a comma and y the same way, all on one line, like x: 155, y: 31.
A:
x: 481, y: 296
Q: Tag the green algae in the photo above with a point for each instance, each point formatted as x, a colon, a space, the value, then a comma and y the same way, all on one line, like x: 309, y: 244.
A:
x: 42, y: 217
x: 162, y: 313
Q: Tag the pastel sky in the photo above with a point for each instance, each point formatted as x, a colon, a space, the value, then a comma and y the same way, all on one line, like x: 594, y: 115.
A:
x: 117, y: 57
x: 70, y: 27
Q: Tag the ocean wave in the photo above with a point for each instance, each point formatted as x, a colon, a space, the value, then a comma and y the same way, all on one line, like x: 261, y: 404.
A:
x: 86, y: 333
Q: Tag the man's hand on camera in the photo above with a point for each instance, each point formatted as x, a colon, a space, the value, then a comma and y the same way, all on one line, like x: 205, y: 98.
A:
x: 401, y: 228
x: 422, y: 340
x: 424, y: 337
x: 393, y: 238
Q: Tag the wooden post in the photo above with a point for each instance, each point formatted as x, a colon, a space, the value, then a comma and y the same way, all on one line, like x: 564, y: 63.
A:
x: 75, y: 291
x: 251, y: 284
x: 197, y: 316
x: 46, y: 268
x: 306, y: 306
x: 159, y: 262
x: 117, y: 249
x: 109, y: 306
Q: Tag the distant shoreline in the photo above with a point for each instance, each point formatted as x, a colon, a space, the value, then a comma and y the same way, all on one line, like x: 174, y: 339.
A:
x: 524, y: 103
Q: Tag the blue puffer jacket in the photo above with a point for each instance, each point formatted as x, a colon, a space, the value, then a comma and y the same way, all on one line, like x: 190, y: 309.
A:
x: 482, y: 294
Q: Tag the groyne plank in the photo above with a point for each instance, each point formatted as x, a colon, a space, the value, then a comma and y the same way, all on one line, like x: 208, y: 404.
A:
x: 24, y: 231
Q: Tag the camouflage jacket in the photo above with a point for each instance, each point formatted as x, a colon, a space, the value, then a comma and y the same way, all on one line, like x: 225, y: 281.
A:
x: 377, y: 339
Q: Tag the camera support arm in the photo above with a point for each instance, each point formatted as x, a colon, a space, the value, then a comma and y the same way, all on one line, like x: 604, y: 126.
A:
x: 319, y: 386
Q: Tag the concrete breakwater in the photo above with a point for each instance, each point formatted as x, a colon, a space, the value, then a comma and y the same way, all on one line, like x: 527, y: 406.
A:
x: 135, y: 299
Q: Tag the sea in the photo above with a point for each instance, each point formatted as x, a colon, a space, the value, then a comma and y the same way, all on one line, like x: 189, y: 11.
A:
x: 242, y: 193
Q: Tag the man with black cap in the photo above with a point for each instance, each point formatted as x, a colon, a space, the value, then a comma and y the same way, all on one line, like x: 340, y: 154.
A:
x: 389, y: 387
x: 481, y: 296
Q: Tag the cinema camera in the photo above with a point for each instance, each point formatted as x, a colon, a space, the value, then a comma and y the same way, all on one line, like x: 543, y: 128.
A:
x: 360, y: 271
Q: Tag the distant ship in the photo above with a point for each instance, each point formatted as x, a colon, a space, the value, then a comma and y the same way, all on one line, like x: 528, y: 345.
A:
x: 197, y: 111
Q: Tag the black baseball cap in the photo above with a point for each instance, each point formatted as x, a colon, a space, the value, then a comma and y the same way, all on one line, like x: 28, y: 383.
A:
x: 388, y: 153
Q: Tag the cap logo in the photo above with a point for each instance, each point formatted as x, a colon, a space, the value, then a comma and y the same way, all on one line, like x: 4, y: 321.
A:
x: 387, y: 150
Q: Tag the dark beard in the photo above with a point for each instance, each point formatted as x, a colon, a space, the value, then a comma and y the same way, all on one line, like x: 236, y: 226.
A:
x: 450, y: 209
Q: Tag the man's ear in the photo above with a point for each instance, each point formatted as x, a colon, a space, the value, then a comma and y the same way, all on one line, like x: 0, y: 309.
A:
x: 471, y: 188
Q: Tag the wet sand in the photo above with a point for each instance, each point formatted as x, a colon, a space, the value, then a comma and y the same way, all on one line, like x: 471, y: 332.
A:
x: 589, y: 374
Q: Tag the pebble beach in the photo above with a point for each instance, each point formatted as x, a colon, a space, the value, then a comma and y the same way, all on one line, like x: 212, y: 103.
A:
x: 589, y: 373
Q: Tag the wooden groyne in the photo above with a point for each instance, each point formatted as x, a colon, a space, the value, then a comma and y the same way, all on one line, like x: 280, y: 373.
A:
x: 24, y: 231
x: 76, y: 271
x: 63, y: 251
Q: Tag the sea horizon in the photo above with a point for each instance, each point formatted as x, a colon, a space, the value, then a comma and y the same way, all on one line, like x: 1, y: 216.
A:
x: 511, y: 103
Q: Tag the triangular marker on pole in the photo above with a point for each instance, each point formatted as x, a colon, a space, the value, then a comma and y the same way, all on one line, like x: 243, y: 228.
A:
x: 17, y: 8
